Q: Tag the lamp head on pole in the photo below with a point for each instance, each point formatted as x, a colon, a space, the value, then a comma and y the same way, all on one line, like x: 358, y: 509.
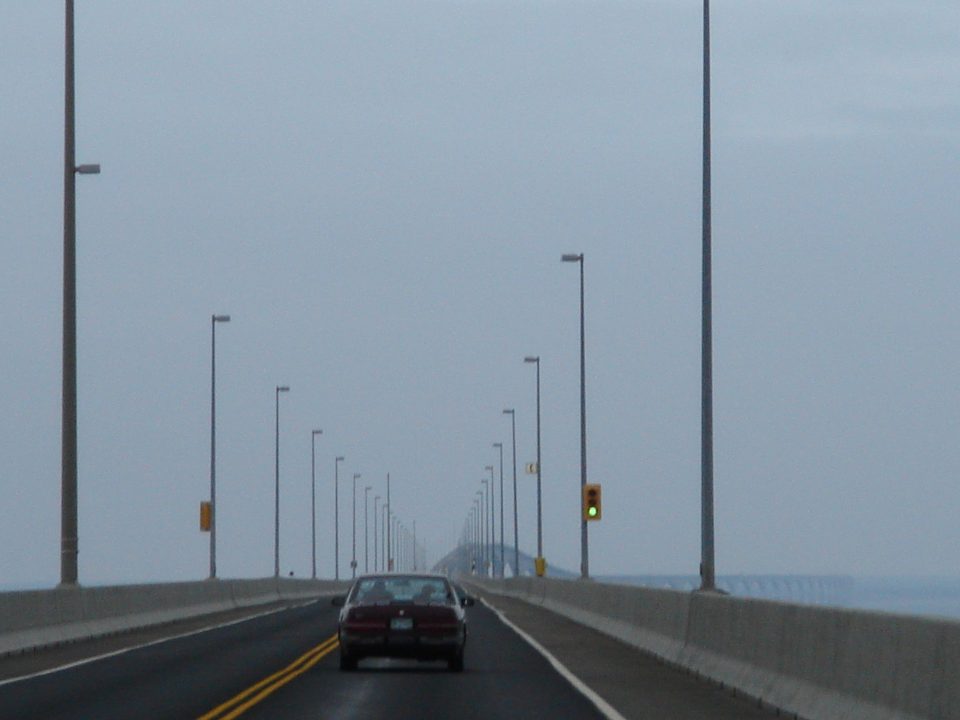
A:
x: 316, y: 432
x: 221, y: 318
x: 509, y: 412
x: 532, y: 359
x: 498, y: 445
x: 283, y: 388
x: 572, y: 258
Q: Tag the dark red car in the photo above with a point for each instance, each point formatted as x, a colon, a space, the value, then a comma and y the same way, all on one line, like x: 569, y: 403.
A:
x: 416, y: 616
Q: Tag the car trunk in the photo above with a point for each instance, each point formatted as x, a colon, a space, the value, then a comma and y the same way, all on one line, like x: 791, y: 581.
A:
x: 399, y: 619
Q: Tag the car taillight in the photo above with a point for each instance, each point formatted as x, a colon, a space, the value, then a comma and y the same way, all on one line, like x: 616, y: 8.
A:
x: 440, y: 619
x: 359, y: 620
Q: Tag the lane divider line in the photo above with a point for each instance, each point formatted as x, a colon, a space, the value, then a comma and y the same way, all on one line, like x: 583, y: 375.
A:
x: 605, y: 708
x: 279, y: 684
x: 240, y: 703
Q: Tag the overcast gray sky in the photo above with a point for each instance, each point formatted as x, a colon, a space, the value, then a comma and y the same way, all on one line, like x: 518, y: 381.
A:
x: 379, y: 194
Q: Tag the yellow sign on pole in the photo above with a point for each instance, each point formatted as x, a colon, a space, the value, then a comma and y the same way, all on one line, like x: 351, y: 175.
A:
x: 531, y: 468
x: 540, y: 564
x: 206, y: 515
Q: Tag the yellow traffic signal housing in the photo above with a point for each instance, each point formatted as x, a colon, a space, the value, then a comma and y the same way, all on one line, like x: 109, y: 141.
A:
x: 592, y: 505
x: 206, y: 515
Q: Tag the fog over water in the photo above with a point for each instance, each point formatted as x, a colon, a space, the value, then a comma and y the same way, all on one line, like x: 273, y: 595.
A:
x: 379, y: 194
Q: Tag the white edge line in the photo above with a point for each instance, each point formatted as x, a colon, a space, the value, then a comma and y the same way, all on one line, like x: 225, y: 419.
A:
x: 605, y: 708
x: 121, y: 651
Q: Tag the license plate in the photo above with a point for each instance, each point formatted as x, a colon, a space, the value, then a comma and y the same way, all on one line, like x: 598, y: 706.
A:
x: 401, y: 623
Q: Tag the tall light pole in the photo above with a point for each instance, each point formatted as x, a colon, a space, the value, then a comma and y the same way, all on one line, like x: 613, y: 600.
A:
x: 376, y: 534
x: 707, y: 568
x: 493, y: 525
x: 499, y: 446
x: 485, y: 496
x: 584, y: 549
x: 516, y: 541
x: 536, y: 359
x: 395, y: 533
x: 336, y: 516
x: 366, y: 535
x: 353, y: 562
x: 213, y: 441
x: 414, y: 543
x: 69, y: 543
x: 313, y: 497
x: 484, y: 523
x: 276, y: 484
x: 383, y: 536
x: 477, y: 559
x: 389, y: 555
x: 470, y: 546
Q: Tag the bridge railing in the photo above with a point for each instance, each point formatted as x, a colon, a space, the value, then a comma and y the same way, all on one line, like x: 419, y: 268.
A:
x: 34, y: 619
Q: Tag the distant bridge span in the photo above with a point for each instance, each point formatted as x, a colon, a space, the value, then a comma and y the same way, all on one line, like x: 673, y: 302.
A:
x: 804, y: 589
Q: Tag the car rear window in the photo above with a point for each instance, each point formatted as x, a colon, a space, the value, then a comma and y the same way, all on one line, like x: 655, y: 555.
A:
x: 398, y: 588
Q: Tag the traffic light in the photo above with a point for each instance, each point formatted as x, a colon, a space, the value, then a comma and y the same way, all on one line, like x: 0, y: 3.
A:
x: 592, y: 507
x: 206, y: 515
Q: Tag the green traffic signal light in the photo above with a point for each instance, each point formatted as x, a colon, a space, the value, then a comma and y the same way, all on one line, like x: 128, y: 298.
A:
x: 591, y: 502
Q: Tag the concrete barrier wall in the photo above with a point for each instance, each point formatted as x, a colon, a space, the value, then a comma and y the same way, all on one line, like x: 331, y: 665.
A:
x: 816, y: 662
x: 37, y: 618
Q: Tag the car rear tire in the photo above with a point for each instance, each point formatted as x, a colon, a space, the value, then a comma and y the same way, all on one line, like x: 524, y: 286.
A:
x: 455, y: 663
x: 347, y: 662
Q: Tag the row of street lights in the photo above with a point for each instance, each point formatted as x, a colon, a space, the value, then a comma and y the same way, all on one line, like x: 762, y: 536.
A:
x: 214, y: 320
x: 707, y: 547
x: 484, y: 525
x: 69, y: 543
x: 399, y: 537
x: 487, y: 514
x: 394, y: 546
x: 394, y: 533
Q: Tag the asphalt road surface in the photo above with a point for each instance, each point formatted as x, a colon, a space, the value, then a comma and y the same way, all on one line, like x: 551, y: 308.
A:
x: 284, y: 665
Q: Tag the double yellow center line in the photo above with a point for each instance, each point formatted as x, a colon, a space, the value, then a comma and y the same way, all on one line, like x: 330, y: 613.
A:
x: 239, y: 704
